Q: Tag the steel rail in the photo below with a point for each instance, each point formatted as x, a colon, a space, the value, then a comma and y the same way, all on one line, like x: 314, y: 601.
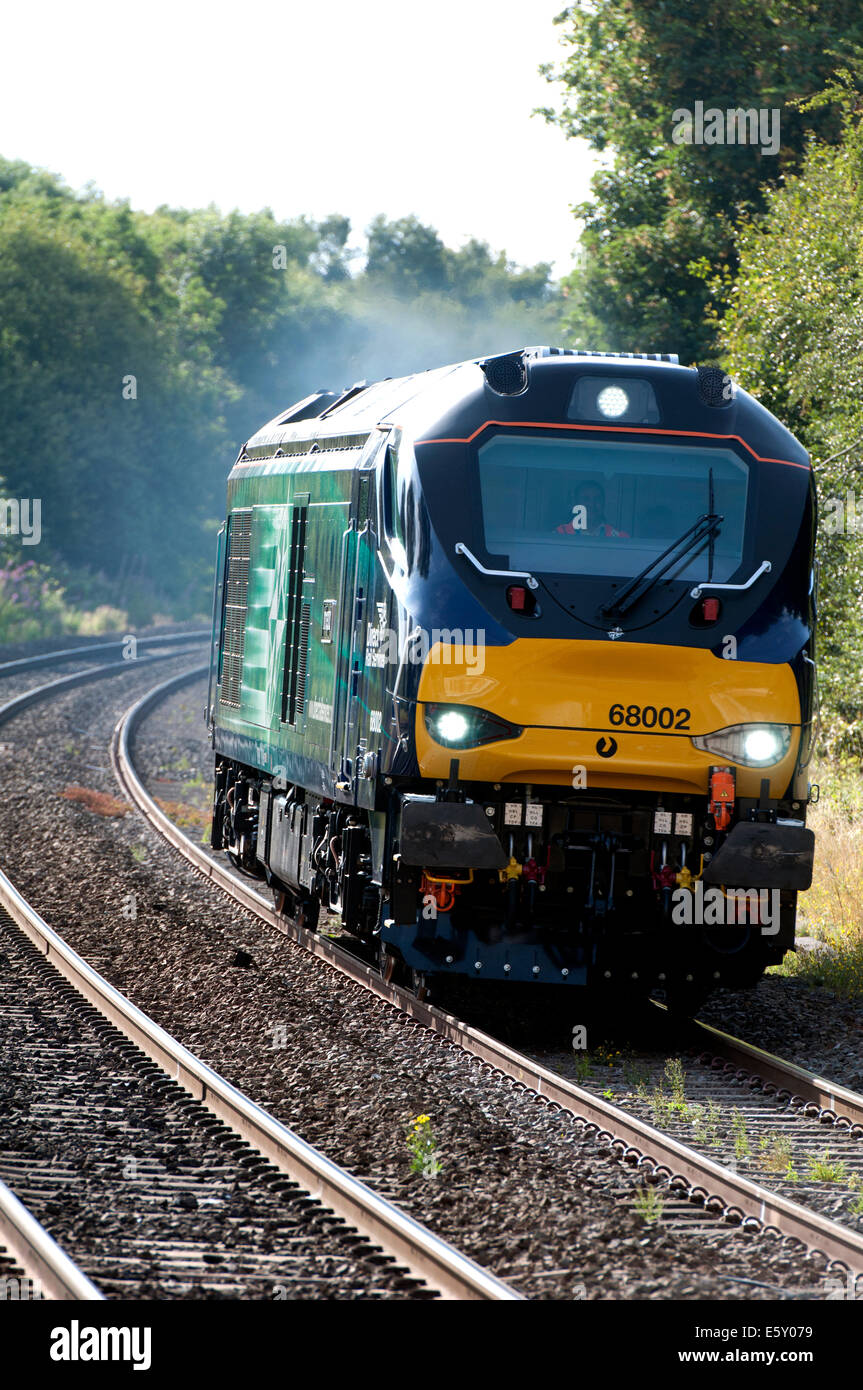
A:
x: 442, y: 1267
x: 27, y: 663
x: 96, y: 673
x: 39, y: 1255
x: 438, y: 1263
x: 833, y: 1101
x: 635, y: 1140
x: 435, y: 1261
x: 638, y: 1141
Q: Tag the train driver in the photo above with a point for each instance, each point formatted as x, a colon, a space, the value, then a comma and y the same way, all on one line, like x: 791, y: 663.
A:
x: 588, y: 514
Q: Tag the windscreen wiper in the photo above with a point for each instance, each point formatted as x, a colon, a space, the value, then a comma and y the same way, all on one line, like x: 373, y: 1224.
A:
x: 693, y: 538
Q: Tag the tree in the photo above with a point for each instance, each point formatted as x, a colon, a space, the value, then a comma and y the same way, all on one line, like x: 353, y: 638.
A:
x: 214, y: 322
x: 793, y: 334
x: 661, y: 205
x: 407, y: 256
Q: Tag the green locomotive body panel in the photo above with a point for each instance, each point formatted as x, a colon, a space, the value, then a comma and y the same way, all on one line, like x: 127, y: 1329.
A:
x: 306, y: 700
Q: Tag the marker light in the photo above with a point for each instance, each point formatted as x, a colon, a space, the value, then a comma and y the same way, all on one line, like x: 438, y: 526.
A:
x: 753, y: 745
x: 465, y: 726
x: 620, y: 397
x: 613, y: 401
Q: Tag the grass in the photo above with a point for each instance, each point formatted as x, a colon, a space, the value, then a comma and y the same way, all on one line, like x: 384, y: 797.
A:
x: 665, y: 1106
x: 705, y: 1123
x: 581, y: 1061
x: 775, y: 1151
x: 824, y: 1169
x: 635, y: 1073
x: 832, y: 909
x: 607, y: 1057
x: 740, y: 1137
x: 187, y: 817
x: 422, y: 1147
x: 649, y: 1204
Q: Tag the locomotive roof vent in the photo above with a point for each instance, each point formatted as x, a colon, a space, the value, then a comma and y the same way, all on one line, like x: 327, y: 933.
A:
x: 715, y: 386
x: 507, y: 373
x: 344, y: 396
x: 593, y: 352
x: 309, y: 407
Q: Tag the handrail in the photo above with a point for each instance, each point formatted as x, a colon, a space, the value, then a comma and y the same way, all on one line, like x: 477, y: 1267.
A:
x: 461, y: 549
x: 764, y: 568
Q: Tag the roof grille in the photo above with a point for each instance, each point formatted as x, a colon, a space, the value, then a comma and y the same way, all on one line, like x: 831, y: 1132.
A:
x: 592, y: 352
x: 506, y: 374
x: 714, y: 386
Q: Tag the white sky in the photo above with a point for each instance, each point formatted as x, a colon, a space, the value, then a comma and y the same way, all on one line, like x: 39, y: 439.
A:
x: 390, y: 106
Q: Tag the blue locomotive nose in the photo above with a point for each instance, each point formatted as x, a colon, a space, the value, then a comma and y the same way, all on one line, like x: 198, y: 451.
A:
x: 512, y: 667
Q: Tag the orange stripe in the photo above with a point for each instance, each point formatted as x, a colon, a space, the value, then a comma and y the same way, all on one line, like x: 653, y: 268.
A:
x: 614, y: 429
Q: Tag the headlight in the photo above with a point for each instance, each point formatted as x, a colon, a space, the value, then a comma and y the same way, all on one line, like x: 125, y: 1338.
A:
x: 753, y: 745
x: 464, y: 726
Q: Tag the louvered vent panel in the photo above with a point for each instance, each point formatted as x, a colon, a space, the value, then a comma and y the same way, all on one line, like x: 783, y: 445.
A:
x: 302, y: 662
x: 236, y: 600
x: 297, y: 625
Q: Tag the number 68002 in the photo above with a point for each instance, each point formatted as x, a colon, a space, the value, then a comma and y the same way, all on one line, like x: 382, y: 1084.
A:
x: 649, y: 717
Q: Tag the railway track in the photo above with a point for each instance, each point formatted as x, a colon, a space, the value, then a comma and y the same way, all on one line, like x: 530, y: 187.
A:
x: 324, y: 1231
x: 85, y: 653
x: 663, y: 1157
x: 32, y: 1264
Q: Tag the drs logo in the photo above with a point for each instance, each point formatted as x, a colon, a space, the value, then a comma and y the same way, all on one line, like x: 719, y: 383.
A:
x: 649, y: 717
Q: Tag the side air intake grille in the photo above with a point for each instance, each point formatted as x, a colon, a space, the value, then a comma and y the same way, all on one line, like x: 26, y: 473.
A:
x: 236, y: 599
x: 714, y: 386
x: 297, y: 625
x: 302, y: 661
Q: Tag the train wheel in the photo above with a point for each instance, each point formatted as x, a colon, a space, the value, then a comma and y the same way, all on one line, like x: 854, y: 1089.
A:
x: 303, y: 911
x: 420, y: 984
x: 388, y: 965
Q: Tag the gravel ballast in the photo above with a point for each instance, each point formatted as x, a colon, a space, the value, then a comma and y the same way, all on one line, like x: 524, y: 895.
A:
x: 523, y: 1190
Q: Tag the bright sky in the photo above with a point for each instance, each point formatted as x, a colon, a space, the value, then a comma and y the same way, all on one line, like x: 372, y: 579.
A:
x: 348, y: 106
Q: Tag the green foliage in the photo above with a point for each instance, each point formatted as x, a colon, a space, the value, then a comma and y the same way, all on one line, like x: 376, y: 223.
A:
x: 825, y: 1169
x: 422, y: 1147
x: 659, y: 207
x: 775, y: 1150
x: 738, y: 1133
x: 649, y: 1204
x: 705, y: 1122
x: 793, y: 336
x: 222, y: 320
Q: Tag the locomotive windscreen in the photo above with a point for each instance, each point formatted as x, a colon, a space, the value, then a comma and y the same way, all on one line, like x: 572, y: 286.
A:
x: 580, y: 507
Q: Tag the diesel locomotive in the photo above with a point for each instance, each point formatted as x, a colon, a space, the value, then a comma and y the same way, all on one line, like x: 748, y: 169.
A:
x: 513, y: 671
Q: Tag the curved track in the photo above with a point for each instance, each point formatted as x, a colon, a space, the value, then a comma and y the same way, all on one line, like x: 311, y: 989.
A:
x: 639, y: 1143
x: 429, y: 1260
